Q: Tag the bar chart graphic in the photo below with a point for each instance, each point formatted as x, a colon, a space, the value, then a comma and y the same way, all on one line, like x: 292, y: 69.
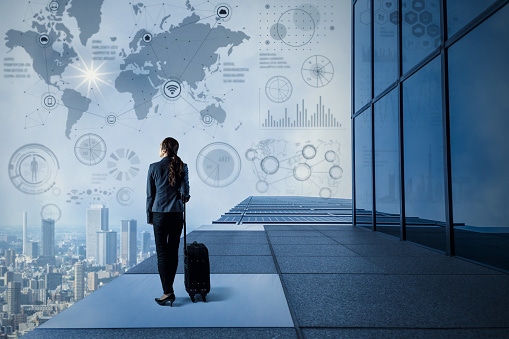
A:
x: 301, y: 118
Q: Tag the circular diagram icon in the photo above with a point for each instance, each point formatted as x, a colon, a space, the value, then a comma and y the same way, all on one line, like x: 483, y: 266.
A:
x: 270, y: 164
x: 51, y: 211
x: 123, y: 164
x: 48, y: 100
x: 172, y: 89
x: 125, y: 196
x: 278, y: 89
x: 223, y: 12
x: 44, y: 40
x: 218, y: 164
x: 53, y: 6
x: 295, y: 27
x: 33, y: 169
x: 317, y: 71
x: 90, y: 149
x: 147, y: 38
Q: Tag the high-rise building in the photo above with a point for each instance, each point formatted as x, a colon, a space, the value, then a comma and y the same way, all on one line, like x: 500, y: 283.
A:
x: 92, y: 281
x: 25, y: 236
x: 97, y: 220
x: 106, y: 247
x: 79, y: 281
x: 10, y: 257
x: 48, y: 237
x: 146, y: 243
x: 52, y: 280
x: 33, y: 249
x: 13, y: 297
x: 128, y: 242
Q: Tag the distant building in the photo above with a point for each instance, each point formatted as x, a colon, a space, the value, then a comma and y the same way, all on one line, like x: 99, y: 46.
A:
x: 97, y: 220
x: 13, y: 297
x: 146, y: 242
x: 106, y: 247
x: 79, y: 281
x: 48, y: 237
x: 92, y: 281
x: 32, y: 249
x: 25, y: 235
x: 128, y: 242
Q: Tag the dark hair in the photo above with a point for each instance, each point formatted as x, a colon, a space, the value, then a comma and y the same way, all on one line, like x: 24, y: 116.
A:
x: 171, y: 146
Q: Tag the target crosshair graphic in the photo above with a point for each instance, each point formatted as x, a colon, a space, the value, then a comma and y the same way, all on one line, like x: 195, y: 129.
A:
x: 278, y: 89
x: 317, y: 71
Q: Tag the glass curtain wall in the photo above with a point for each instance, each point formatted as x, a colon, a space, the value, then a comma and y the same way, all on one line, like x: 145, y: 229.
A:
x: 479, y: 113
x: 430, y: 123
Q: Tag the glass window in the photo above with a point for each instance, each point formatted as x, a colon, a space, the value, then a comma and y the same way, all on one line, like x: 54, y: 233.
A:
x: 362, y: 54
x: 420, y: 30
x: 387, y: 176
x: 386, y: 18
x: 479, y: 107
x: 424, y: 157
x: 363, y: 168
x: 461, y: 12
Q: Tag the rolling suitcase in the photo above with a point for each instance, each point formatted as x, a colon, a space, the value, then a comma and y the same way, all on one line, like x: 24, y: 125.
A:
x: 196, y: 267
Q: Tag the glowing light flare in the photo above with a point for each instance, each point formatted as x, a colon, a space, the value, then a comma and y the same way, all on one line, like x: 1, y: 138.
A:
x: 90, y: 75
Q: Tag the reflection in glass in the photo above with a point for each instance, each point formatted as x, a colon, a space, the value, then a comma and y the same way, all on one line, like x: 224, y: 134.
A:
x: 479, y: 106
x: 423, y: 157
x: 362, y: 53
x: 461, y: 12
x: 386, y: 45
x: 387, y: 176
x: 363, y: 168
x: 420, y: 30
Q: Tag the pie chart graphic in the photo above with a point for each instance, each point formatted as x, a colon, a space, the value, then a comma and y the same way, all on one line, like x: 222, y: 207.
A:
x: 218, y: 164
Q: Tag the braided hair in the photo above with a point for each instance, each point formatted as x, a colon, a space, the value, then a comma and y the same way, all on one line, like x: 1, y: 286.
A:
x: 171, y: 146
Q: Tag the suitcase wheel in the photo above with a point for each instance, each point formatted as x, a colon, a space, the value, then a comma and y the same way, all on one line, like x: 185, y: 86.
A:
x: 204, y: 297
x: 192, y: 298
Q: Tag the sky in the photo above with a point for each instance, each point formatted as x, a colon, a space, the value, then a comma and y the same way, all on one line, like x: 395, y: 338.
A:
x: 257, y: 94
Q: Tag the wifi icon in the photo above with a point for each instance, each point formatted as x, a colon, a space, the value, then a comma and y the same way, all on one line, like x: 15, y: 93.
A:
x: 172, y: 89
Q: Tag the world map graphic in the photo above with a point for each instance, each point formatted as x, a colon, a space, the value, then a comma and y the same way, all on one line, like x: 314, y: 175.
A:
x: 164, y: 63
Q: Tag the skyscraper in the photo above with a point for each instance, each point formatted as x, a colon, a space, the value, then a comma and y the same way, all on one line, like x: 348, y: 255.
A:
x: 97, y: 220
x: 106, y: 247
x: 128, y: 242
x: 92, y: 281
x: 25, y: 237
x: 48, y: 237
x: 145, y: 242
x: 79, y: 281
x: 13, y: 297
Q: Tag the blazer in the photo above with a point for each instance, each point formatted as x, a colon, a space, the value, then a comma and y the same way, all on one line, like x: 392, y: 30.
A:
x: 161, y: 197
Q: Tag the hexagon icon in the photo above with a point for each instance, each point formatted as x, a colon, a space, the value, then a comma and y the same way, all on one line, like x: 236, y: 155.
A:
x: 381, y: 17
x: 418, y: 5
x: 418, y: 30
x: 409, y: 43
x: 433, y: 30
x: 365, y: 17
x: 425, y: 18
x: 394, y: 17
x: 410, y: 17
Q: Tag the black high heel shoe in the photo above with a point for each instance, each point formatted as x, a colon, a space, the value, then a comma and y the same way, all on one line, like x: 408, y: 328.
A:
x: 169, y: 298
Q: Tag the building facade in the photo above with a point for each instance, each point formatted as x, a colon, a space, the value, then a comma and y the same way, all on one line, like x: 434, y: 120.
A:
x: 79, y: 281
x: 429, y: 124
x: 128, y: 242
x: 48, y: 237
x: 97, y: 220
x: 107, y: 247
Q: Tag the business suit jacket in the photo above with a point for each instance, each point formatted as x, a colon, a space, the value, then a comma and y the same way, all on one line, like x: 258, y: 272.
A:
x: 161, y: 197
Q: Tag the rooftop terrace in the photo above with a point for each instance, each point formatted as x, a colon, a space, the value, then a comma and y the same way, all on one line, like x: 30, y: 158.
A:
x: 288, y: 267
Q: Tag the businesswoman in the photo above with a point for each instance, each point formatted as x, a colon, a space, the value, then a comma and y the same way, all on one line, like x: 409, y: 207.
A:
x: 167, y: 191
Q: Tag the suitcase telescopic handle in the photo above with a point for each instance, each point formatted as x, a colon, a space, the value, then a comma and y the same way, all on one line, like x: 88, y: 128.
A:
x: 185, y: 235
